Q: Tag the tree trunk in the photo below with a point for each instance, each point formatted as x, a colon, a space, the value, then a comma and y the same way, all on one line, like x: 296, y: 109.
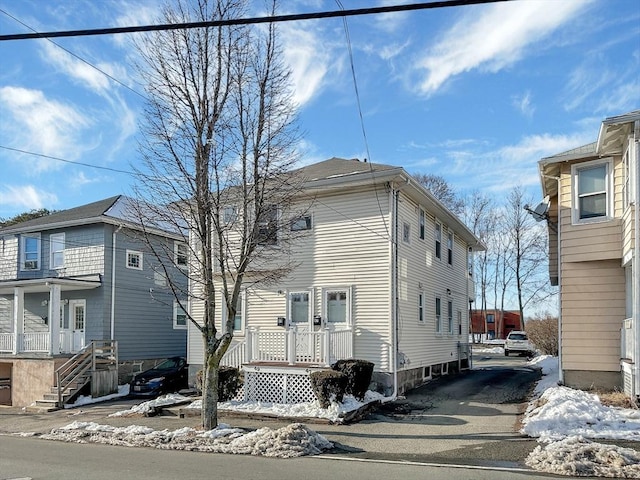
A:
x: 210, y: 394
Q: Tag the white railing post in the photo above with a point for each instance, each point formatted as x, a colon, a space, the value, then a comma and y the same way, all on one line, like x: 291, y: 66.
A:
x: 326, y: 346
x: 291, y: 333
x: 248, y: 350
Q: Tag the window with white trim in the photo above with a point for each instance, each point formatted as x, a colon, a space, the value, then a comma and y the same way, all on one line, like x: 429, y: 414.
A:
x: 438, y: 240
x: 459, y: 322
x: 179, y: 317
x: 421, y: 307
x: 301, y: 223
x: 56, y: 250
x: 268, y: 226
x: 450, y: 317
x: 238, y: 319
x: 438, y: 315
x: 337, y: 306
x: 30, y: 252
x: 406, y: 232
x: 229, y: 215
x: 450, y: 248
x: 421, y: 224
x: 134, y: 260
x: 181, y: 254
x: 299, y: 308
x: 591, y: 191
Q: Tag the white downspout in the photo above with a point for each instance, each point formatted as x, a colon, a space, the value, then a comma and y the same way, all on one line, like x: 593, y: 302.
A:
x: 393, y: 354
x: 636, y: 261
x: 113, y: 283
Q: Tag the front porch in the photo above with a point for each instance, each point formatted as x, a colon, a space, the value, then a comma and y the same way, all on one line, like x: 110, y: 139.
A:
x: 277, y: 363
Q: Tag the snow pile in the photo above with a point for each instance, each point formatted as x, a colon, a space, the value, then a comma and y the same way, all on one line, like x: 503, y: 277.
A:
x: 565, y: 418
x: 123, y: 391
x: 577, y: 456
x: 151, y: 405
x: 498, y: 350
x: 294, y: 440
x: 562, y: 412
x: 334, y: 413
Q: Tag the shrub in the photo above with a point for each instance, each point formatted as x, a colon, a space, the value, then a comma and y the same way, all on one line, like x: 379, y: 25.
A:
x: 358, y: 374
x: 328, y: 385
x: 229, y: 382
x: 543, y: 333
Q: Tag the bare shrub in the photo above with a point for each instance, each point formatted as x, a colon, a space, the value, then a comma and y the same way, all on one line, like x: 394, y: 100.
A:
x: 543, y: 333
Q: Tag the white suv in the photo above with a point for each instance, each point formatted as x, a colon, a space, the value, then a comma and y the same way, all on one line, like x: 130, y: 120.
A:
x: 518, y: 342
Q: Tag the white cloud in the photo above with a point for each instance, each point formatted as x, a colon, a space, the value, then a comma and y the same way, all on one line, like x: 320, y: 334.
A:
x: 309, y: 59
x: 26, y: 197
x: 492, y: 38
x: 39, y: 124
x: 523, y: 104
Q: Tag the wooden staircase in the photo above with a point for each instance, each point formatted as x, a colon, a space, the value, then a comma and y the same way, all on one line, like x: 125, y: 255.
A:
x: 77, y: 372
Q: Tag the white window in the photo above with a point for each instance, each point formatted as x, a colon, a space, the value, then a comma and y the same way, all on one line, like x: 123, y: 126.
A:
x: 301, y: 223
x: 591, y: 187
x: 421, y: 224
x: 438, y: 240
x: 459, y: 322
x: 421, y: 307
x: 134, y: 260
x: 450, y: 317
x: 239, y: 318
x: 181, y: 254
x: 268, y: 226
x: 337, y: 310
x: 299, y: 312
x: 56, y: 250
x: 229, y: 215
x: 438, y: 315
x: 30, y: 252
x: 406, y: 232
x: 450, y: 248
x: 179, y: 317
x: 159, y: 278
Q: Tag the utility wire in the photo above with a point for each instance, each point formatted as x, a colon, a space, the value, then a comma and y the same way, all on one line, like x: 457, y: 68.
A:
x: 249, y: 21
x: 73, y: 54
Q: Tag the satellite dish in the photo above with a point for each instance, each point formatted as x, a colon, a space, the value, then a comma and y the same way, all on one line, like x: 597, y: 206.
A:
x: 541, y: 212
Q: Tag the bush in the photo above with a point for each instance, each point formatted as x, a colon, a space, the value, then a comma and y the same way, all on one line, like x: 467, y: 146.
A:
x: 328, y: 385
x: 543, y: 333
x: 358, y: 372
x: 229, y: 382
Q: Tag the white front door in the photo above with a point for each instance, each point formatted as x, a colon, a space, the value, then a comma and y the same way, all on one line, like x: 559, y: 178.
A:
x: 336, y: 304
x: 66, y: 334
x: 77, y: 318
x: 300, y: 319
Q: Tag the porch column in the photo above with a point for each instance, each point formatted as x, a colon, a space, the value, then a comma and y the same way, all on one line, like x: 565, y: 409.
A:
x: 18, y: 319
x: 291, y: 333
x: 326, y: 345
x: 54, y: 319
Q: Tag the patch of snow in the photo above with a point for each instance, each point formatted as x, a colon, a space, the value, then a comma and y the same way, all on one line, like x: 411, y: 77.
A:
x: 578, y: 456
x: 294, y: 440
x: 123, y: 391
x: 498, y: 350
x: 150, y: 405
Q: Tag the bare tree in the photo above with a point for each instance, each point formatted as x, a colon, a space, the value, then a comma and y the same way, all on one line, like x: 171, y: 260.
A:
x: 528, y: 256
x: 441, y: 189
x: 219, y: 137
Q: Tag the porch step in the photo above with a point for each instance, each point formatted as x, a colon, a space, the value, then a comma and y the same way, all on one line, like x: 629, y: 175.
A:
x: 40, y: 408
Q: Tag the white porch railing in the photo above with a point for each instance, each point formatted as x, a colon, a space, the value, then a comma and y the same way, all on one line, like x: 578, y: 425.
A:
x: 35, y: 342
x: 626, y: 340
x: 6, y: 342
x: 291, y: 346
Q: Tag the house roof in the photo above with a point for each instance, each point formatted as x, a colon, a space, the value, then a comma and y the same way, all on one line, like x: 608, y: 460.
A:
x: 343, y: 173
x: 613, y: 133
x: 113, y: 210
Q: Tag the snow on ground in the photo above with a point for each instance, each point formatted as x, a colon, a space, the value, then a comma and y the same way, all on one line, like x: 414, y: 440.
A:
x: 498, y: 350
x: 151, y: 405
x: 564, y: 420
x: 123, y: 391
x: 293, y: 440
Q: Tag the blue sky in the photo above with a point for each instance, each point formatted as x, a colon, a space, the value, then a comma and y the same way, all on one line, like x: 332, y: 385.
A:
x: 476, y: 94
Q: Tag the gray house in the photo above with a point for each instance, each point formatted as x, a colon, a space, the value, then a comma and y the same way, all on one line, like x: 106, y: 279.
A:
x: 84, y: 280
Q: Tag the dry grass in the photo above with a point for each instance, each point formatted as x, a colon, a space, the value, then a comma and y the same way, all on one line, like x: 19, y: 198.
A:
x: 614, y: 398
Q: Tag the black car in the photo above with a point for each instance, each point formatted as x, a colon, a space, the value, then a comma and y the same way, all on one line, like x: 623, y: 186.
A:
x: 167, y: 377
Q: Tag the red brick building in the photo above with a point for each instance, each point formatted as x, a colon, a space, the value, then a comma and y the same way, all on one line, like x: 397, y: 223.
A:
x: 492, y: 324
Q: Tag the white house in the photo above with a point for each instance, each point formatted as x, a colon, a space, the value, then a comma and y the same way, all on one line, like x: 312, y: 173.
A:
x: 383, y: 275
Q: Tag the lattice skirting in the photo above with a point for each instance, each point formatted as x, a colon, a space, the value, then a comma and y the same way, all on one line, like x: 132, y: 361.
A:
x: 277, y: 385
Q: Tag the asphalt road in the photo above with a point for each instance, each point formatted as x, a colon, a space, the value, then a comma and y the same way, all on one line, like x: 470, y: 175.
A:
x: 468, y: 419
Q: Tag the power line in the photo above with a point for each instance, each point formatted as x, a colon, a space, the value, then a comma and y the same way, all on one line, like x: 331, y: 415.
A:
x: 73, y: 54
x: 249, y: 21
x: 66, y: 161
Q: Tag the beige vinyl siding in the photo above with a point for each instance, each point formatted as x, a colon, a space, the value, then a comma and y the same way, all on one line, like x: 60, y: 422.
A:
x: 419, y: 343
x: 8, y: 257
x: 628, y: 231
x: 553, y: 241
x: 593, y: 308
x: 348, y: 247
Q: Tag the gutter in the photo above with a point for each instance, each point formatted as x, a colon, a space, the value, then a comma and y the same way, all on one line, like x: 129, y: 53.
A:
x: 393, y: 250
